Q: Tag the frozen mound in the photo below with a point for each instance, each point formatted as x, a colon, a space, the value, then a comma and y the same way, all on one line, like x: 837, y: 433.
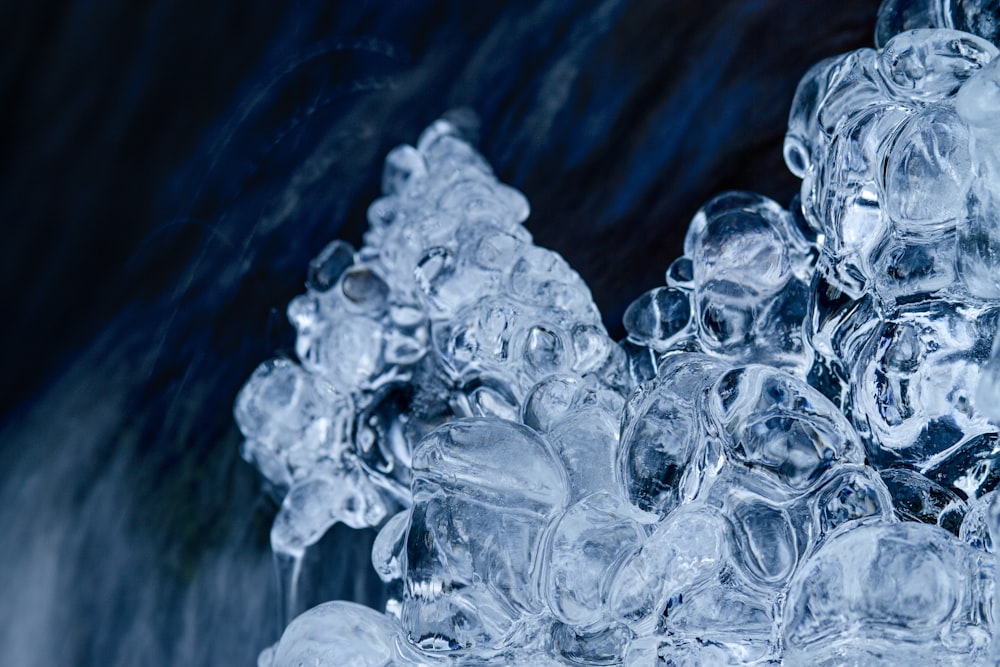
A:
x: 447, y: 311
x: 790, y: 459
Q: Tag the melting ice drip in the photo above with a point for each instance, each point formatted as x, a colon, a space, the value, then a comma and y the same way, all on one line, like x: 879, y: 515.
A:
x: 792, y: 458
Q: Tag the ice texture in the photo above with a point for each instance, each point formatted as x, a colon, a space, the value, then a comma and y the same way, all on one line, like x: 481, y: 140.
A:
x: 885, y: 594
x: 447, y: 311
x: 790, y: 459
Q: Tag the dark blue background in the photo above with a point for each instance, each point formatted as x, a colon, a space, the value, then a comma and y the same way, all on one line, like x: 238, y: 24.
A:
x: 167, y: 169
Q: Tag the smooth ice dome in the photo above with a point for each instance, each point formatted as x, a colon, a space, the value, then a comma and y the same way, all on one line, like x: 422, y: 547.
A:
x: 790, y: 459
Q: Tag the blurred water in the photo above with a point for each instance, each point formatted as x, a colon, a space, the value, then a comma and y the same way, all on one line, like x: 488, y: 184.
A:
x: 168, y: 172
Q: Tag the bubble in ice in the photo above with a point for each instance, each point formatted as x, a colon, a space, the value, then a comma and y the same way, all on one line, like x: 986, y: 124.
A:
x: 791, y: 458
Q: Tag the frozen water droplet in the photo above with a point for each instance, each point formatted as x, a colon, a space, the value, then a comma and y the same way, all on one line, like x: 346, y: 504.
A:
x: 325, y: 270
x: 657, y: 316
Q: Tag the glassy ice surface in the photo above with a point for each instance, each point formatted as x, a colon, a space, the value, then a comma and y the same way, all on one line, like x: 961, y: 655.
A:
x: 790, y: 459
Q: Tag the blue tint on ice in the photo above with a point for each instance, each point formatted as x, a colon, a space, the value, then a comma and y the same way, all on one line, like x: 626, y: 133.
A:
x: 790, y: 458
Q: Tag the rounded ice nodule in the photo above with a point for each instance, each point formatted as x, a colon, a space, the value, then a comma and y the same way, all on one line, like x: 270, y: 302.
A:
x: 916, y: 379
x: 780, y: 424
x: 334, y: 634
x: 880, y: 593
x: 483, y: 492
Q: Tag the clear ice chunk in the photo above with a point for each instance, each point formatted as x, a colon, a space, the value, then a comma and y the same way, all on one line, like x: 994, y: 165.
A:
x: 792, y: 457
x: 335, y: 633
x: 585, y: 545
x: 931, y: 65
x: 880, y: 594
x: 749, y: 296
x: 656, y: 317
x: 779, y: 424
x: 666, y: 451
x: 291, y: 419
x: 916, y: 378
x: 483, y: 492
x: 978, y: 232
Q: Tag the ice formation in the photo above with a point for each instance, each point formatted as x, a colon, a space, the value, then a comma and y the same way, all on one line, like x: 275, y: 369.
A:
x: 791, y: 459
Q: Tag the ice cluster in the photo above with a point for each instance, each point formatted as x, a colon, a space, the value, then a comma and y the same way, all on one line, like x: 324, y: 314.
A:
x: 791, y: 458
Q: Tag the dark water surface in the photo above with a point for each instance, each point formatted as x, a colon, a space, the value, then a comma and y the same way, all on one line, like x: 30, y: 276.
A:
x: 167, y: 169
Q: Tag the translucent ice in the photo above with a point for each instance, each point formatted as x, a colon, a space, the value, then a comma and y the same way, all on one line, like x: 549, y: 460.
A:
x: 980, y: 17
x: 447, y: 311
x: 587, y: 543
x: 888, y: 594
x: 316, y: 638
x: 915, y: 384
x: 483, y: 492
x: 792, y: 458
